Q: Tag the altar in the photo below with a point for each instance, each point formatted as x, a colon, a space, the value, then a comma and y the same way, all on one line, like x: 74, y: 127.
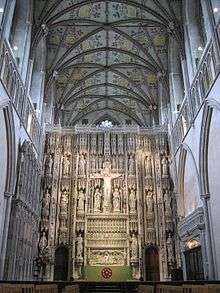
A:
x: 107, y: 273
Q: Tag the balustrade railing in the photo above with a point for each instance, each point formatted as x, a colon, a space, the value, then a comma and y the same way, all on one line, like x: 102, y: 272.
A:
x: 17, y: 92
x: 202, y: 83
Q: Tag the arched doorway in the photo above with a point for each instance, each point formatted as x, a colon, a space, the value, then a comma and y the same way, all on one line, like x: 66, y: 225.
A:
x: 61, y: 264
x: 152, y: 270
x: 194, y: 260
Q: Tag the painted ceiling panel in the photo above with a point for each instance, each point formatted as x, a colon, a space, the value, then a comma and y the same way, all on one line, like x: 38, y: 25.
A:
x: 116, y: 51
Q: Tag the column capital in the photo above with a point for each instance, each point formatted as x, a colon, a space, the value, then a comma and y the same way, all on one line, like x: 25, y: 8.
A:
x: 4, y: 102
x: 205, y: 196
x: 8, y: 194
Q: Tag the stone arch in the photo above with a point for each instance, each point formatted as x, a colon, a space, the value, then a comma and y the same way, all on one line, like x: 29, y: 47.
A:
x: 206, y: 190
x: 204, y: 139
x: 10, y: 180
x: 106, y: 116
x: 176, y: 75
x: 185, y: 153
x: 151, y: 263
x: 195, y: 13
x: 19, y: 32
x: 61, y: 263
x: 37, y: 77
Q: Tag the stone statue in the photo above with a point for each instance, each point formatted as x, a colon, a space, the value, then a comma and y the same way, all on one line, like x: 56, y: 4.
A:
x: 150, y: 201
x: 170, y: 249
x: 43, y: 241
x: 148, y: 167
x: 45, y: 205
x: 163, y: 253
x: 79, y: 247
x: 164, y: 163
x: 116, y: 200
x: 167, y: 202
x: 134, y: 248
x: 131, y: 165
x: 50, y: 165
x: 81, y: 198
x: 97, y: 200
x: 82, y: 165
x: 107, y: 176
x: 66, y: 166
x: 64, y: 202
x: 132, y: 199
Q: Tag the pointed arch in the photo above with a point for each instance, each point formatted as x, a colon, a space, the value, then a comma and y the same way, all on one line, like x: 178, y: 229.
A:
x: 120, y: 108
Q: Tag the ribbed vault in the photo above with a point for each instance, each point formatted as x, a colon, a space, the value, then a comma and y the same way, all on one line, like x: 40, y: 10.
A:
x: 106, y: 56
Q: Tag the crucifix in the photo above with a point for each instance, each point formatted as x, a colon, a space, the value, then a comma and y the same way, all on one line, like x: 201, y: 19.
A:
x: 107, y: 177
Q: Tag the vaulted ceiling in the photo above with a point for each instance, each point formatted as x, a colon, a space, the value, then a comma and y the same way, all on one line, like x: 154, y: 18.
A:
x: 107, y: 57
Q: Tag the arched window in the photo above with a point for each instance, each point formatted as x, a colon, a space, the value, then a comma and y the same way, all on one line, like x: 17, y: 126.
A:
x: 106, y: 124
x: 201, y: 24
x: 176, y: 78
x: 216, y: 9
x: 198, y: 32
x: 37, y: 77
x: 19, y: 35
x: 2, y: 10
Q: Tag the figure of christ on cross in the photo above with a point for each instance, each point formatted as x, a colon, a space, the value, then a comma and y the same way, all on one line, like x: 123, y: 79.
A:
x: 107, y: 177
